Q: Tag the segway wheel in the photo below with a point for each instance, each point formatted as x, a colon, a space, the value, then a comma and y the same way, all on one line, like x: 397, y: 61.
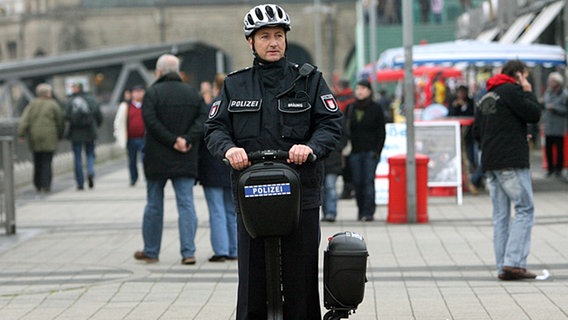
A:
x: 335, y: 315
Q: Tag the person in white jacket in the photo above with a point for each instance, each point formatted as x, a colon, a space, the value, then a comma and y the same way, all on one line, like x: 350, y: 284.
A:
x: 129, y: 130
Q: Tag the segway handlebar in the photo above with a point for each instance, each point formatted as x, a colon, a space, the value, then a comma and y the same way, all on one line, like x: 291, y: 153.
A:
x: 274, y: 155
x: 270, y: 155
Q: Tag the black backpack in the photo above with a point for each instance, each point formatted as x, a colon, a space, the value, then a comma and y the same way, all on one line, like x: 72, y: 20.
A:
x: 81, y: 113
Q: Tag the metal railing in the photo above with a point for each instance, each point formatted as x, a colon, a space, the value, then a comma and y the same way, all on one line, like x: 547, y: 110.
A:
x: 8, y: 209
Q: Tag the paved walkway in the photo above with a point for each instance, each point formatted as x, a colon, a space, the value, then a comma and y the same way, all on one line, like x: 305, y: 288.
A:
x: 72, y: 259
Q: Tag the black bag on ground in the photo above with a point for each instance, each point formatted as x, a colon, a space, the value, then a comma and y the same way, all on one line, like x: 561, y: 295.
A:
x: 344, y: 268
x: 269, y: 199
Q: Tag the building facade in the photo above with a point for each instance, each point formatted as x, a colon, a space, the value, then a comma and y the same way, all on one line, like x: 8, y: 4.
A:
x: 32, y: 28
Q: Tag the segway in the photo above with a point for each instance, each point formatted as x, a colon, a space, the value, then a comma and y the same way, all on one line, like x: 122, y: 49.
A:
x: 268, y: 196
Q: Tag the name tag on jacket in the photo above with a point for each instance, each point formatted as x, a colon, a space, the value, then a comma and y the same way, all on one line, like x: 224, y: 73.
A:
x: 244, y: 105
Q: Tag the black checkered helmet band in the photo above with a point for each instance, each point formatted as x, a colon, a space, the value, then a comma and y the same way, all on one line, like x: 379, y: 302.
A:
x: 265, y: 15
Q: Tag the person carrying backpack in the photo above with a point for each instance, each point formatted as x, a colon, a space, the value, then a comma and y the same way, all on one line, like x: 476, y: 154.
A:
x: 84, y: 116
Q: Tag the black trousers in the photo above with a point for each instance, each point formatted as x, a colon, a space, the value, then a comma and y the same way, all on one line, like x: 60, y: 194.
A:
x: 42, y: 170
x: 299, y: 272
x: 554, y: 165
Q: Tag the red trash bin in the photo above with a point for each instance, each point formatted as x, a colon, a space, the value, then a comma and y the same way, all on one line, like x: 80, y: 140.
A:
x: 397, y: 210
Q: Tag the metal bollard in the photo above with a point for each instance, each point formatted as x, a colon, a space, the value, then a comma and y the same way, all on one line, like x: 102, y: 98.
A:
x: 9, y: 196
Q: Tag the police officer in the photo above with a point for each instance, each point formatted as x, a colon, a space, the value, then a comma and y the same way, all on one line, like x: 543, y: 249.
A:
x: 276, y: 104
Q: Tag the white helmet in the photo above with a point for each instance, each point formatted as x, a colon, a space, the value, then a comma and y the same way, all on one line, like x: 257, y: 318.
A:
x: 265, y: 15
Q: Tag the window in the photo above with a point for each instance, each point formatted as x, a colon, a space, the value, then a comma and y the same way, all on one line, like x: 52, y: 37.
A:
x: 12, y: 47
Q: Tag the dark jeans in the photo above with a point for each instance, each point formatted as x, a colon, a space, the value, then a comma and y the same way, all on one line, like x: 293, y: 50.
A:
x: 329, y: 196
x: 346, y: 172
x: 42, y: 170
x: 78, y: 158
x: 471, y: 154
x: 363, y: 166
x: 134, y: 146
x: 477, y: 175
x: 550, y: 143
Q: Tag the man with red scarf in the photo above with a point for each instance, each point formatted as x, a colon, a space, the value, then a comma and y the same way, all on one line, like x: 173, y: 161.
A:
x: 501, y: 128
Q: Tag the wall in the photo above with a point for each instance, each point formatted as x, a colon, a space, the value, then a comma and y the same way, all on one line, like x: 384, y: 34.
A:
x: 67, y: 29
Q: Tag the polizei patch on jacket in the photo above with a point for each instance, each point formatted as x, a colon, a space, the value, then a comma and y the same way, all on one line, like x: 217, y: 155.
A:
x: 329, y: 102
x: 214, y: 109
x: 267, y: 190
x: 244, y: 105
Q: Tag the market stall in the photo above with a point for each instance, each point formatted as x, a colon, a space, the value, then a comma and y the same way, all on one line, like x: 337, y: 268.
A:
x: 476, y: 53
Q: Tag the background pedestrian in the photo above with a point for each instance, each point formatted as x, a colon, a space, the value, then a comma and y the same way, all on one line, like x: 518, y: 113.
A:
x: 365, y: 126
x: 42, y: 123
x: 129, y: 130
x: 501, y: 128
x: 554, y: 123
x: 215, y: 177
x: 173, y: 115
x: 84, y: 116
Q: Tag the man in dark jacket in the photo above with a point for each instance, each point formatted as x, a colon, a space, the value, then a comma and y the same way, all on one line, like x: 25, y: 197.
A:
x: 84, y: 116
x: 365, y: 125
x: 173, y: 114
x: 501, y: 128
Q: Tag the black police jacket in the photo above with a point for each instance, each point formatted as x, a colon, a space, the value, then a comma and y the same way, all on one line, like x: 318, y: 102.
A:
x: 262, y: 107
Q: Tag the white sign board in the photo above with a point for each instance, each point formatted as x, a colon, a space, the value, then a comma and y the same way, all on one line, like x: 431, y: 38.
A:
x: 439, y: 140
x: 71, y: 80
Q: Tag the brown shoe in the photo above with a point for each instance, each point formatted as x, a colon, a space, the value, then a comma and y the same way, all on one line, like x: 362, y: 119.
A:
x: 514, y: 273
x: 472, y: 188
x: 188, y: 261
x: 139, y: 255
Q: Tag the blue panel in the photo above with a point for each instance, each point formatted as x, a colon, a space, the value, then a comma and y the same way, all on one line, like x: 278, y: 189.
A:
x: 267, y: 190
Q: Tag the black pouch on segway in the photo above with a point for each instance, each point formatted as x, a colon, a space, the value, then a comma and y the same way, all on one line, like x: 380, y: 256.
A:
x: 269, y: 199
x: 344, y: 268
